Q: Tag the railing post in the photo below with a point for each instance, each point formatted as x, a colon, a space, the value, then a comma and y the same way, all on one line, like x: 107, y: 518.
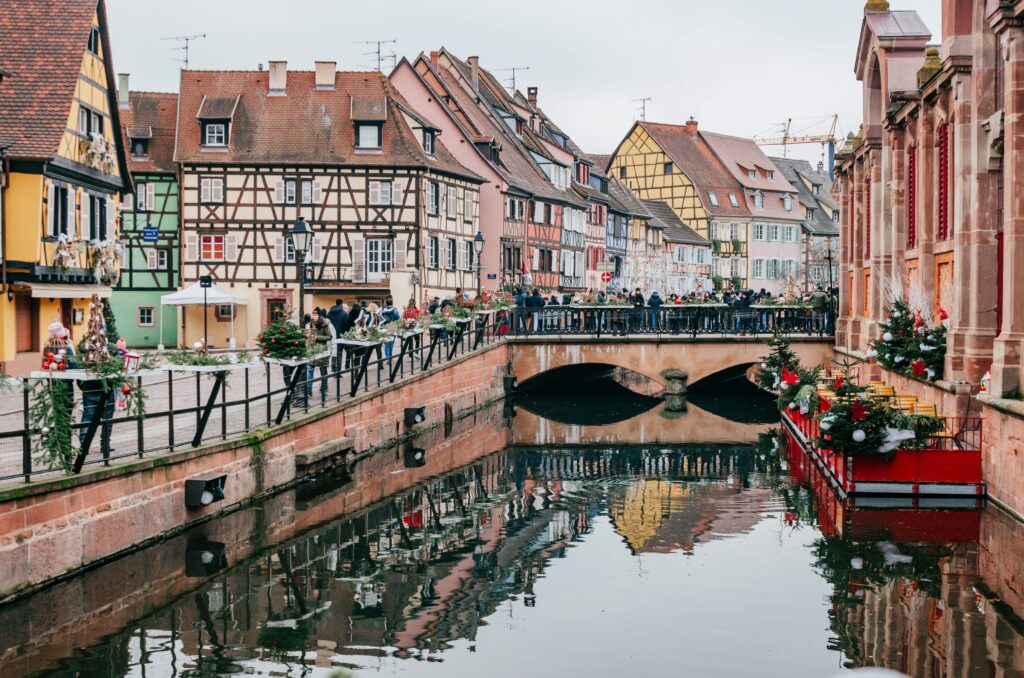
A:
x: 26, y: 440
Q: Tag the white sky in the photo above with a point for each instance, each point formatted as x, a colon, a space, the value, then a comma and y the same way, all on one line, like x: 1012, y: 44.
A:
x: 738, y: 66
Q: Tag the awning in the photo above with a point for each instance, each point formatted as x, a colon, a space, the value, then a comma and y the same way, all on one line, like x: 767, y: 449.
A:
x: 61, y: 291
x: 195, y: 295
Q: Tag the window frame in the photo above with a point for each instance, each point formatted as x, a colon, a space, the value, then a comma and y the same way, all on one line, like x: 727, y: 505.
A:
x: 428, y: 142
x: 433, y: 251
x: 733, y: 200
x: 163, y: 258
x: 382, y: 264
x: 152, y: 316
x: 209, y: 128
x: 758, y: 200
x: 381, y: 184
x: 213, y: 246
x: 451, y: 254
x: 667, y: 168
x: 142, y: 197
x: 378, y: 128
x: 433, y: 198
x: 713, y: 198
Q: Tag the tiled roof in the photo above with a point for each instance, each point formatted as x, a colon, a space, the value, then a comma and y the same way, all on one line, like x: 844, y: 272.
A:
x: 693, y: 157
x: 153, y: 116
x: 43, y: 45
x: 675, y: 230
x: 897, y: 24
x: 217, y: 108
x: 625, y: 201
x: 796, y: 171
x: 601, y: 160
x: 739, y: 155
x: 304, y: 126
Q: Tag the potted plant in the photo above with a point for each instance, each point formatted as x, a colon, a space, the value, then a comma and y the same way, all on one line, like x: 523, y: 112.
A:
x: 716, y: 245
x: 737, y: 245
x: 717, y: 281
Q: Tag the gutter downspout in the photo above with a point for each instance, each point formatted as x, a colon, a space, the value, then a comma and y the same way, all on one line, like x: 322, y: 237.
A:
x: 4, y: 179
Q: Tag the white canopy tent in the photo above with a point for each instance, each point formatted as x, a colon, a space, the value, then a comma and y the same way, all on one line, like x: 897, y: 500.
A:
x: 197, y: 295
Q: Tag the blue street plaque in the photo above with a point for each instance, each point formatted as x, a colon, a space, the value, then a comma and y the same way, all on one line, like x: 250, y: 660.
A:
x: 492, y: 276
x: 150, y: 234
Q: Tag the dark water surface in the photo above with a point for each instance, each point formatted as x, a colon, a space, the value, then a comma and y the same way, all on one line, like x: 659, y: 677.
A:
x: 620, y: 560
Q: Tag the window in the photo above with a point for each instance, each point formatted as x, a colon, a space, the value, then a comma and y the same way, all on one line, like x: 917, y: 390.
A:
x: 432, y: 197
x: 162, y: 259
x: 94, y: 40
x: 815, y: 188
x: 140, y: 149
x: 733, y: 201
x: 771, y: 268
x: 145, y: 316
x: 835, y: 216
x: 771, y: 175
x: 468, y: 245
x: 622, y: 172
x: 758, y: 231
x: 428, y: 142
x: 758, y: 201
x: 735, y: 267
x: 289, y: 191
x: 289, y: 250
x: 752, y: 174
x: 789, y: 234
x: 452, y: 201
x: 773, y: 232
x: 211, y: 189
x: 582, y: 173
x: 306, y: 193
x: 758, y: 271
x: 368, y: 135
x: 211, y: 247
x: 713, y: 198
x: 97, y: 210
x: 89, y: 122
x: 142, y: 197
x: 787, y: 203
x: 380, y: 192
x: 59, y: 210
x: 223, y: 312
x: 667, y: 169
x: 378, y: 258
x: 810, y: 212
x: 433, y: 251
x: 450, y: 262
x: 215, y: 134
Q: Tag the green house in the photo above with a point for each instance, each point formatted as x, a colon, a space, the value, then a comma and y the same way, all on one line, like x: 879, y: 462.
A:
x: 149, y: 227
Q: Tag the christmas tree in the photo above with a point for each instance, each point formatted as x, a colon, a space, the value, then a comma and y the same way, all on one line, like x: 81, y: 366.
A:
x: 282, y: 339
x: 94, y: 347
x: 897, y: 335
x: 930, y: 349
x: 111, y: 326
x: 769, y: 375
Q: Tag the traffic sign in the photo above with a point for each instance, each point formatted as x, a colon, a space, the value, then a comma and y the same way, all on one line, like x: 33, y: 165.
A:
x: 606, y: 277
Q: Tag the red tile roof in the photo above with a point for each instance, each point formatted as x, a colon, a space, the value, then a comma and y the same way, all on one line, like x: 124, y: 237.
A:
x: 305, y: 126
x: 740, y: 155
x: 691, y: 155
x: 43, y: 45
x: 157, y: 114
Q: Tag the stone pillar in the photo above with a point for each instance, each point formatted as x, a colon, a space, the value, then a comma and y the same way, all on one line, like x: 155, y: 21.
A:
x: 675, y: 391
x: 877, y: 258
x: 856, y: 253
x: 843, y: 179
x: 1009, y: 345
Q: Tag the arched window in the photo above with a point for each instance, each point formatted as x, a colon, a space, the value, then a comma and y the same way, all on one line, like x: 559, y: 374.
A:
x: 945, y: 153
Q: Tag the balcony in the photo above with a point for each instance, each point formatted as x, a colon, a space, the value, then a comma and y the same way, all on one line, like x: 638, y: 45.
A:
x: 570, y: 281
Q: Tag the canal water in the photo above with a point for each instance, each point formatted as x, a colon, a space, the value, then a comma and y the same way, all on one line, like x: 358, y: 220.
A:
x: 561, y: 536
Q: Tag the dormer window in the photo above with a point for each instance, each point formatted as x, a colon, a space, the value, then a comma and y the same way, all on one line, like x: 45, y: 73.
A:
x: 815, y: 188
x: 215, y: 134
x: 368, y: 135
x: 733, y: 201
x: 428, y: 141
x: 140, y: 148
x: 758, y: 201
x: 810, y: 213
x: 787, y: 203
x: 771, y: 175
x: 713, y: 198
x: 752, y: 174
x: 582, y: 173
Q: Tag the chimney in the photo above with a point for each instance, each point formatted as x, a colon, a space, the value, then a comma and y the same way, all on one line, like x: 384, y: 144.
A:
x: 278, y: 77
x: 325, y: 74
x: 433, y: 59
x: 122, y: 90
x: 474, y: 71
x: 691, y: 126
x: 531, y: 96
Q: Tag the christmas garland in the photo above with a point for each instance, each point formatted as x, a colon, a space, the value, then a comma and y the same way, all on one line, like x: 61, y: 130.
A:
x: 199, y: 357
x: 50, y: 422
x: 798, y: 388
x: 769, y: 376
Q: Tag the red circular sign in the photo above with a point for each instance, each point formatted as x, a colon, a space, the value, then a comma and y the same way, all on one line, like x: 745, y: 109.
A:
x: 606, y: 277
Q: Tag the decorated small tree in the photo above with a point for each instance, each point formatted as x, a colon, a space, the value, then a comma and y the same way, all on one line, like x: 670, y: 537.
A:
x: 110, y: 323
x: 95, y: 347
x: 799, y: 390
x: 769, y: 374
x: 283, y: 340
x: 897, y: 335
x: 931, y: 353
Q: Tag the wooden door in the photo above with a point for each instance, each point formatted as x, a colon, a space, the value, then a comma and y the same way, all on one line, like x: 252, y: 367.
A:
x: 26, y: 327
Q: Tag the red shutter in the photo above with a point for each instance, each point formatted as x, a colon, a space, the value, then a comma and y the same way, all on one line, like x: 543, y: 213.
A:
x: 23, y: 323
x: 943, y: 231
x: 911, y: 197
x: 867, y: 219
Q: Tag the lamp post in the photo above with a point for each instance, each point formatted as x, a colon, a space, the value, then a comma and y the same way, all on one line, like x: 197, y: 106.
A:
x: 302, y: 238
x: 478, y: 247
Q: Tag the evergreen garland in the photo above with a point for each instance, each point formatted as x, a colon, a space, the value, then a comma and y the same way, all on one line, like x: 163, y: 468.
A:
x: 769, y: 375
x: 799, y: 390
x: 283, y: 340
x: 111, y: 325
x: 50, y: 422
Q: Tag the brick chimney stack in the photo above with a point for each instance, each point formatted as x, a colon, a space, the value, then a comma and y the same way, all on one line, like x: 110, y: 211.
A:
x: 474, y: 71
x: 122, y: 90
x: 691, y: 126
x: 433, y: 59
x: 531, y: 96
x: 325, y: 74
x: 278, y: 78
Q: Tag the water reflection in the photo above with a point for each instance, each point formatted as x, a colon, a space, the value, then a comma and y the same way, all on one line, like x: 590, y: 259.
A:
x: 581, y: 559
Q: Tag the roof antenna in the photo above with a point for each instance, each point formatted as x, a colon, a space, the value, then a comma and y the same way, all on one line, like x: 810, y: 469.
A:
x: 511, y: 82
x: 186, y: 39
x: 380, y: 56
x: 642, y: 107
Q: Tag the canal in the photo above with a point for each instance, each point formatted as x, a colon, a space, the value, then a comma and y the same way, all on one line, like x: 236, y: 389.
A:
x: 581, y: 530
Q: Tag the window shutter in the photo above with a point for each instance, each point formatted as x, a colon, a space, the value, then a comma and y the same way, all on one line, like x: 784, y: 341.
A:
x: 71, y: 209
x: 374, y: 192
x: 397, y: 197
x: 111, y: 218
x: 536, y: 259
x: 217, y: 188
x: 579, y: 264
x: 316, y: 252
x: 204, y: 190
x: 279, y: 249
x: 538, y: 212
x: 230, y: 248
x: 86, y: 217
x: 401, y: 252
x: 358, y: 259
x: 151, y: 196
x: 151, y: 259
x: 191, y: 246
x: 127, y: 202
x: 318, y: 193
x: 460, y: 256
x: 51, y: 198
x: 279, y: 192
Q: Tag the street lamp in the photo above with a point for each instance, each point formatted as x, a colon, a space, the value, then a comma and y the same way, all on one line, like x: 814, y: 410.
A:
x: 478, y: 247
x: 302, y: 238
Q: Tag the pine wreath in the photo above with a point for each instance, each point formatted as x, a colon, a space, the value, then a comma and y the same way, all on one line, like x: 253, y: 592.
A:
x: 769, y: 375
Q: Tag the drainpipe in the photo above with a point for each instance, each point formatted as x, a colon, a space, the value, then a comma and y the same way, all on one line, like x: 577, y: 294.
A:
x: 4, y: 179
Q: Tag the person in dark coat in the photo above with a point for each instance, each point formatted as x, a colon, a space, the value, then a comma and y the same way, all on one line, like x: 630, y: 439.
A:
x: 337, y: 316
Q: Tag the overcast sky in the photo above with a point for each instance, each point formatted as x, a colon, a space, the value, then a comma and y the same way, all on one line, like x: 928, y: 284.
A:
x: 738, y: 66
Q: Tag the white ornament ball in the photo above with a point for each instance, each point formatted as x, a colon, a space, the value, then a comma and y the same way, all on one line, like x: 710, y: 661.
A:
x: 824, y: 426
x: 887, y: 336
x: 792, y: 406
x: 764, y: 366
x: 45, y: 430
x: 858, y: 436
x: 804, y: 409
x: 198, y: 345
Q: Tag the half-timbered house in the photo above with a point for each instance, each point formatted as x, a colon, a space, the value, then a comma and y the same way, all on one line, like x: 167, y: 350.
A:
x: 259, y: 149
x: 64, y: 171
x: 149, y: 224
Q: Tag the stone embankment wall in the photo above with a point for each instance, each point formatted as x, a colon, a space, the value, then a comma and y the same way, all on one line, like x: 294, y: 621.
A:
x: 52, y: 528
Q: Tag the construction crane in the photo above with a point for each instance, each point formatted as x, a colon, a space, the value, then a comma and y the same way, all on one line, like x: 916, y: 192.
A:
x: 788, y: 138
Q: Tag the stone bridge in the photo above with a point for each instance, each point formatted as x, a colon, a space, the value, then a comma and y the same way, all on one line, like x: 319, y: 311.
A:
x: 672, y: 361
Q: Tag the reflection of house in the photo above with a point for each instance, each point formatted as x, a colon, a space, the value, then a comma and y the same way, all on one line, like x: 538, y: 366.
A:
x: 62, y: 174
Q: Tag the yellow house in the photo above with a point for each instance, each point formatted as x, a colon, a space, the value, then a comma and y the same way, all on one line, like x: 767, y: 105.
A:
x: 674, y: 164
x: 62, y: 172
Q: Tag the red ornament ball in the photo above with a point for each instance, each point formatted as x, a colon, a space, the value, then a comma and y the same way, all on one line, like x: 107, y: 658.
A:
x: 126, y: 389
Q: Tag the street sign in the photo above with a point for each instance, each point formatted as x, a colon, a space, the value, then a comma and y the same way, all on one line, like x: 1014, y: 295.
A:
x: 606, y: 266
x: 492, y: 276
x: 606, y: 277
x: 150, y: 234
x: 206, y: 281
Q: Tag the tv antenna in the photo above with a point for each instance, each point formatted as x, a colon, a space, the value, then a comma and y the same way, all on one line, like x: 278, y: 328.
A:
x: 513, y: 70
x: 185, y: 39
x: 378, y: 52
x: 642, y: 107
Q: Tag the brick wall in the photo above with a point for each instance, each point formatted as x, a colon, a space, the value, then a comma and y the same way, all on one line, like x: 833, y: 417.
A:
x: 54, y: 527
